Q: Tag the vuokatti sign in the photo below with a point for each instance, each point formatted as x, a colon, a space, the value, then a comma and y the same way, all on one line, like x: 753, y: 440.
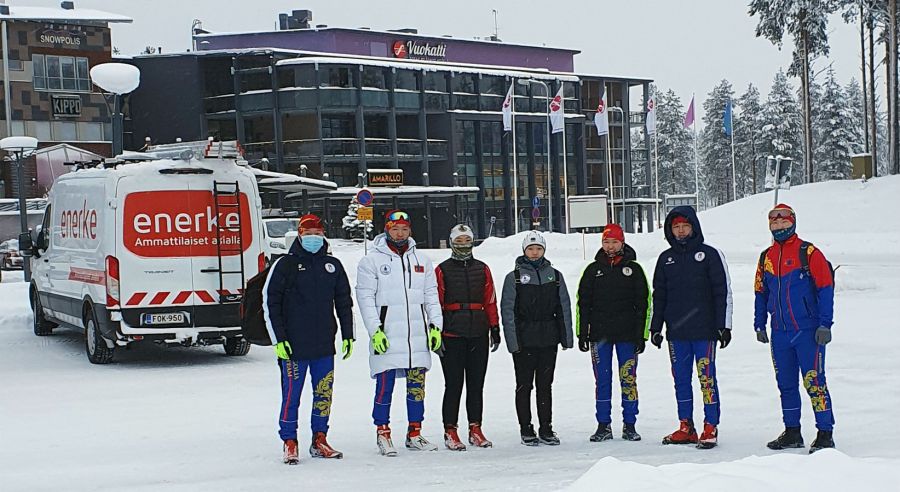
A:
x: 416, y: 50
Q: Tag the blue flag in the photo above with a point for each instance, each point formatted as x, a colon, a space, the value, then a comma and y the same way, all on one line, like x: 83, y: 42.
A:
x: 726, y: 120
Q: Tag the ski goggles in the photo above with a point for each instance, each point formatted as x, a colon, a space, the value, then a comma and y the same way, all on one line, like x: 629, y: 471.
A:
x: 781, y: 213
x: 398, y: 216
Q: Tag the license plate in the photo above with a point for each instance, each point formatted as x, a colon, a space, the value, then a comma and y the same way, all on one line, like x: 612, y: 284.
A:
x: 163, y: 319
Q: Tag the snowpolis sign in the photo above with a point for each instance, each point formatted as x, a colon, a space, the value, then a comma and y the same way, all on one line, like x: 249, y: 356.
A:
x: 417, y: 50
x: 61, y: 38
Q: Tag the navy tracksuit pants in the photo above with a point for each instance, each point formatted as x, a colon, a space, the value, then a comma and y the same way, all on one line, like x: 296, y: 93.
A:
x: 415, y: 395
x: 601, y: 359
x: 796, y: 352
x: 683, y: 354
x: 293, y: 374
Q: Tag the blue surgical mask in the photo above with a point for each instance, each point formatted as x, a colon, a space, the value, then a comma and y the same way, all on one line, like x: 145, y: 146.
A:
x: 312, y: 243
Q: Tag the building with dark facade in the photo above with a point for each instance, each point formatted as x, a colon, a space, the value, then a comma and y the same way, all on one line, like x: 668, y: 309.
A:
x: 334, y: 103
x: 47, y: 56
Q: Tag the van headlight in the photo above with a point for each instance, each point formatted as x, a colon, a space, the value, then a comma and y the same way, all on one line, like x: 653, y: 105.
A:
x: 276, y: 245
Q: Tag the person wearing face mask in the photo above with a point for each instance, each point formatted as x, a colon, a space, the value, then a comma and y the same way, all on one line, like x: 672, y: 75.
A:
x: 303, y: 291
x: 537, y: 318
x: 612, y: 315
x: 471, y: 324
x: 692, y: 297
x: 795, y: 289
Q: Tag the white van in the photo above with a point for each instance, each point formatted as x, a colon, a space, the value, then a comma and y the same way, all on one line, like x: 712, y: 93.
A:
x: 158, y: 250
x: 275, y: 229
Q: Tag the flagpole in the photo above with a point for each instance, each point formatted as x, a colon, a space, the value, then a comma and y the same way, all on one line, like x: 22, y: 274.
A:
x: 656, y: 174
x: 565, y: 170
x: 512, y: 107
x: 733, y: 178
x: 696, y: 154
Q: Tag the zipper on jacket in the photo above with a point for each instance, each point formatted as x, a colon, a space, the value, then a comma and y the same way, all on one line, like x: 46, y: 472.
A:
x: 468, y: 292
x: 408, y: 325
x: 778, y: 306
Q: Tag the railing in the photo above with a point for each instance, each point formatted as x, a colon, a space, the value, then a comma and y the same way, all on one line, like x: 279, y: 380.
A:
x: 218, y: 104
x: 637, y: 118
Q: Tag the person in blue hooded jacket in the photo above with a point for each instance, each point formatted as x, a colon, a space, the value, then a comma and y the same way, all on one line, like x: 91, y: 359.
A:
x: 692, y: 297
x: 303, y: 291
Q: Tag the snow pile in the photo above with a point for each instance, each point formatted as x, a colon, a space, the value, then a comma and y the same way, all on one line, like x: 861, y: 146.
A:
x: 826, y: 470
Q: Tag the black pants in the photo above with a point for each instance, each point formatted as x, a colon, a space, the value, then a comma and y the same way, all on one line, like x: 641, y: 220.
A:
x: 534, y: 368
x: 464, y: 361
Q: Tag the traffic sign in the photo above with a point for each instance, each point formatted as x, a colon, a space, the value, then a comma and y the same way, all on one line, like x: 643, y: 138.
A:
x: 535, y: 202
x: 365, y: 213
x: 365, y: 197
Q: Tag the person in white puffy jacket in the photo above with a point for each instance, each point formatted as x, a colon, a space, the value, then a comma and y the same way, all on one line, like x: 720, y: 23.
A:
x: 397, y: 293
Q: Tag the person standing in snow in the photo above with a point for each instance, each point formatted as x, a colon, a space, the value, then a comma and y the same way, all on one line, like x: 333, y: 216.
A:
x: 301, y: 294
x: 692, y: 296
x: 537, y: 318
x: 612, y: 315
x: 398, y: 300
x: 795, y: 287
x: 471, y: 324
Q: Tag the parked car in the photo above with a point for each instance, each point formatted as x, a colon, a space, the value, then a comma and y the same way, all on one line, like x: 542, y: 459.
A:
x: 275, y: 228
x: 10, y: 257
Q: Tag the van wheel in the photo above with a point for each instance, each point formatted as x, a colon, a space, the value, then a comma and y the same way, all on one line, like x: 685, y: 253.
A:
x: 97, y: 350
x: 42, y: 327
x: 236, y: 346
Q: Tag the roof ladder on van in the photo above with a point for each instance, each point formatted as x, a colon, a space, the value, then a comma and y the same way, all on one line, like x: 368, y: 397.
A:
x: 227, y: 199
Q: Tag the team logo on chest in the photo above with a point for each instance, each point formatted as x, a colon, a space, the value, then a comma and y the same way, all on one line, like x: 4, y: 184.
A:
x: 700, y: 256
x: 385, y: 269
x: 330, y: 268
x: 525, y: 278
x: 627, y: 271
x: 670, y: 261
x: 301, y: 268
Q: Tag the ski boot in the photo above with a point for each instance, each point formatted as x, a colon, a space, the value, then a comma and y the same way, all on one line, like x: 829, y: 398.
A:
x: 629, y: 433
x: 476, y: 437
x: 321, y: 449
x: 686, y: 434
x: 547, y: 436
x: 791, y: 438
x: 709, y: 438
x: 529, y: 438
x: 451, y: 439
x: 603, y: 433
x: 824, y: 439
x: 385, y: 445
x: 291, y: 455
x: 415, y: 440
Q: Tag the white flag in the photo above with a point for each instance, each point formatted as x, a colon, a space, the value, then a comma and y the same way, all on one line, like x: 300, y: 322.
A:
x: 557, y: 112
x: 601, y: 119
x: 507, y: 110
x: 651, y: 115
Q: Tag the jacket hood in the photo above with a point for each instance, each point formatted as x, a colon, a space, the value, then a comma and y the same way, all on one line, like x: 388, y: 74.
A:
x: 691, y: 215
x: 297, y: 249
x: 628, y: 254
x: 380, y: 244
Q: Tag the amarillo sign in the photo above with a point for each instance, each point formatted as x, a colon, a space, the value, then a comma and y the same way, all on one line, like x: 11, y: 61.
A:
x: 386, y: 177
x: 419, y: 51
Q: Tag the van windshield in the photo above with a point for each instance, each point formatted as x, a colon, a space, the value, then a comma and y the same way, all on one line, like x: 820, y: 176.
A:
x: 280, y: 227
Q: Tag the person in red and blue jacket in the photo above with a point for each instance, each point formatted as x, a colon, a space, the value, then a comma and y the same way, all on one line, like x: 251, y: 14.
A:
x: 795, y: 288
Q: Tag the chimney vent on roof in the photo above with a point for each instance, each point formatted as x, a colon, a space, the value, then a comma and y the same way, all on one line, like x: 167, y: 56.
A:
x: 67, y: 5
x: 406, y: 30
x: 298, y: 19
x: 4, y: 9
x: 321, y: 26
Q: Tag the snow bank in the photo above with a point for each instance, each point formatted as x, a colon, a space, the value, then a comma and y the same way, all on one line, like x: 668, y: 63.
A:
x: 826, y: 470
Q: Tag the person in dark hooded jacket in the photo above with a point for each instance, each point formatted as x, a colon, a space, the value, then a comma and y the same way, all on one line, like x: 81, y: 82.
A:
x: 692, y: 296
x: 612, y: 314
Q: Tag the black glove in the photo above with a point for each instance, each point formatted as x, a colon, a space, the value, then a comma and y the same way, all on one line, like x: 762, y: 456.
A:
x: 724, y: 337
x: 762, y: 336
x: 495, y: 338
x: 640, y: 346
x: 584, y: 344
x: 823, y: 335
x: 656, y: 339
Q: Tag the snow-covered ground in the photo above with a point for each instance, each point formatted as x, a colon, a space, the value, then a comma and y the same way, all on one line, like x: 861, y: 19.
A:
x: 193, y: 419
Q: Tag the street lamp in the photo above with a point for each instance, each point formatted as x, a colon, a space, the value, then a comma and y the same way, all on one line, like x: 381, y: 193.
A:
x: 549, y: 169
x: 20, y: 148
x: 609, y: 168
x: 116, y: 80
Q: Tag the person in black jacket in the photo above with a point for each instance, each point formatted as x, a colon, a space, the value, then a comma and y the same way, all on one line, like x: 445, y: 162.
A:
x: 471, y: 323
x: 613, y: 313
x: 300, y: 297
x: 537, y: 318
x: 692, y: 296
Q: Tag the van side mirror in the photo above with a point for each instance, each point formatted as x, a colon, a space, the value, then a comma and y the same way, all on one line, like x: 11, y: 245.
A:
x: 26, y: 247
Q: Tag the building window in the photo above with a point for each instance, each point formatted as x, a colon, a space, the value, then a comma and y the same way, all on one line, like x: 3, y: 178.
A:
x: 338, y: 127
x: 336, y: 77
x: 405, y: 80
x: 61, y: 73
x: 373, y: 78
x: 344, y: 174
x: 64, y: 131
x: 435, y: 81
x: 16, y: 65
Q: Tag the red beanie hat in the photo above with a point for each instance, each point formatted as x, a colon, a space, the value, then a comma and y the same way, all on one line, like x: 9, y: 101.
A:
x: 395, y: 217
x: 784, y: 212
x: 310, y: 221
x: 680, y: 219
x: 613, y: 231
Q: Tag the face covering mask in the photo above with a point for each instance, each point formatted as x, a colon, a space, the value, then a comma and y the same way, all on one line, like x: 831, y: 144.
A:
x: 312, y: 243
x: 783, y: 234
x: 461, y: 251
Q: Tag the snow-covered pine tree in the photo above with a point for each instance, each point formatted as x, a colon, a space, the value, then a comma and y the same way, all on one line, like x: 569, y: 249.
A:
x: 782, y: 131
x: 355, y: 228
x: 837, y: 140
x: 854, y: 97
x: 715, y: 147
x: 815, y: 98
x: 748, y: 140
x: 675, y: 149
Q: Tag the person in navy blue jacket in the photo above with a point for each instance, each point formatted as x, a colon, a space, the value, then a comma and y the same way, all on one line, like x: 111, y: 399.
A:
x: 303, y: 291
x: 795, y: 287
x: 692, y: 296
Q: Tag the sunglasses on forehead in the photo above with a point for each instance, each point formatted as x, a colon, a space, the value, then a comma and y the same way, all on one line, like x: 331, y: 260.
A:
x: 398, y: 216
x: 780, y: 213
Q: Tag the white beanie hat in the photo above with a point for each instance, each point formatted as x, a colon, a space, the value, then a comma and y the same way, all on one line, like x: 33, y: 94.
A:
x: 461, y: 230
x: 534, y: 237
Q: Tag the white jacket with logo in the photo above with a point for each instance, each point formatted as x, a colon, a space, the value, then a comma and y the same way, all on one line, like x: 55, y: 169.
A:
x: 407, y: 287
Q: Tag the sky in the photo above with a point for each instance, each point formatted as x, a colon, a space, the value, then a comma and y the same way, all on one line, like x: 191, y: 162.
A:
x: 686, y: 45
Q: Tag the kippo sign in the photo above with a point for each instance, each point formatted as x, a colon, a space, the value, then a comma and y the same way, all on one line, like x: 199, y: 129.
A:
x: 184, y: 223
